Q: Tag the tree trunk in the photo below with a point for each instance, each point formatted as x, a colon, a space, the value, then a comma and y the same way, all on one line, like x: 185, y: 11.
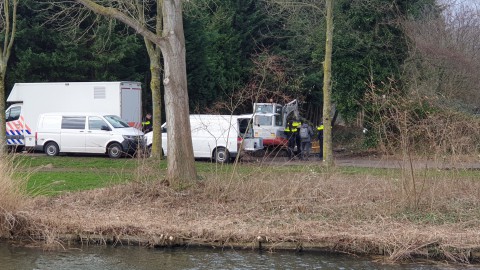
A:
x: 181, y: 165
x: 155, y: 87
x: 3, y: 138
x: 327, y: 88
x: 154, y: 54
x: 8, y: 25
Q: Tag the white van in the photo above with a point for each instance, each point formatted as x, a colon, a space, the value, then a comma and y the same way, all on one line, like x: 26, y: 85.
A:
x: 32, y: 99
x: 217, y: 137
x: 86, y: 133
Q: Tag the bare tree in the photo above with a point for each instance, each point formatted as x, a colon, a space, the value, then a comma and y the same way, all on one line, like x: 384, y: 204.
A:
x: 154, y: 54
x: 445, y: 56
x: 327, y: 88
x: 8, y: 27
x: 296, y: 6
x: 181, y: 168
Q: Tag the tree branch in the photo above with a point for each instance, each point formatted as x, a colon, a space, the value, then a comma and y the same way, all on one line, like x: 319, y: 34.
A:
x: 116, y: 14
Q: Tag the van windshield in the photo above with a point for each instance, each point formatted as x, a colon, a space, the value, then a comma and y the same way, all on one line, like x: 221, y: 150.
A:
x: 116, y: 121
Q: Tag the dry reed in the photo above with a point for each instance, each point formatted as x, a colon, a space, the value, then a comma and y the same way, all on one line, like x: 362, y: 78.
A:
x: 350, y: 213
x: 12, y: 195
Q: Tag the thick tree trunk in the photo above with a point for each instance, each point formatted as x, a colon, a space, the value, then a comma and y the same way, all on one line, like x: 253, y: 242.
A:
x: 327, y: 88
x: 181, y: 165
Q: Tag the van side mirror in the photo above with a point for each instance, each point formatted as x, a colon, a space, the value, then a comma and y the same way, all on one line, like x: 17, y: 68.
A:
x: 106, y: 128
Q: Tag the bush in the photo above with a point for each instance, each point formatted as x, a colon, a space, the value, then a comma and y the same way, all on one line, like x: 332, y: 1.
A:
x: 420, y: 125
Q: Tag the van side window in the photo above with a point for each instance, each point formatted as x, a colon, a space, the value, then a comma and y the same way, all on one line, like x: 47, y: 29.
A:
x: 96, y: 123
x: 13, y: 114
x: 73, y: 122
x: 51, y: 122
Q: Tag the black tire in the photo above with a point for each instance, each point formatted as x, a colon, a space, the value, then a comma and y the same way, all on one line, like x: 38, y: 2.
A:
x: 115, y: 150
x: 221, y: 155
x: 51, y: 149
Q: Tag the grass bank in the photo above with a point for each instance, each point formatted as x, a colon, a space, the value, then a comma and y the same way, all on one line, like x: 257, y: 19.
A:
x: 397, y: 213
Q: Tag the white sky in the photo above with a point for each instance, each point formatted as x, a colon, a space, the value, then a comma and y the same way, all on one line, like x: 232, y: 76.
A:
x: 459, y: 3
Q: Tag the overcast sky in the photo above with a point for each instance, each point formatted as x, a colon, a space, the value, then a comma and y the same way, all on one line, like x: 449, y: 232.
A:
x: 459, y: 3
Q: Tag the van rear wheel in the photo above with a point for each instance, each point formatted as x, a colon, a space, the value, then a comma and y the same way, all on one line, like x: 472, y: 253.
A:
x: 222, y: 155
x: 115, y: 150
x: 51, y: 149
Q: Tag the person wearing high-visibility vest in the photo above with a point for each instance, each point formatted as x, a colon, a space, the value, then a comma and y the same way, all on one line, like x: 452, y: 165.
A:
x: 298, y: 141
x: 290, y: 133
x: 320, y: 139
x: 147, y: 125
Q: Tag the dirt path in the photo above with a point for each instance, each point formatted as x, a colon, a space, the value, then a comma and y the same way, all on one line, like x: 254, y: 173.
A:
x: 371, y: 161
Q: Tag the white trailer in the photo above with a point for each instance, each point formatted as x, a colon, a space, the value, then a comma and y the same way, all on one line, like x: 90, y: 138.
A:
x: 218, y: 137
x: 32, y: 99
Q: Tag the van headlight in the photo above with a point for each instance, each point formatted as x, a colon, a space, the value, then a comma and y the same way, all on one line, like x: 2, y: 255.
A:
x: 130, y: 137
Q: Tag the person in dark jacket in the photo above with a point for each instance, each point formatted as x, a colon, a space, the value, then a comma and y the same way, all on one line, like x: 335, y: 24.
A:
x: 306, y: 133
x: 296, y: 126
x: 290, y: 134
x: 147, y: 124
x: 320, y: 139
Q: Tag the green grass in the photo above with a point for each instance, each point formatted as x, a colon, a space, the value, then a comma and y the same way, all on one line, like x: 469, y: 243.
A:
x: 75, y: 162
x: 54, y: 183
x: 54, y: 175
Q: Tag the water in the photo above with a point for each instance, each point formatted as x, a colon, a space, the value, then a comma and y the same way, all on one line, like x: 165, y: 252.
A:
x: 136, y: 258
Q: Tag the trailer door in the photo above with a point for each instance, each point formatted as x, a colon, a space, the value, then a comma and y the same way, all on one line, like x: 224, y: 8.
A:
x: 131, y: 105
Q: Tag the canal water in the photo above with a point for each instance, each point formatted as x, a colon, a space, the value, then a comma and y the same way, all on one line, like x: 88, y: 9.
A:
x: 137, y: 258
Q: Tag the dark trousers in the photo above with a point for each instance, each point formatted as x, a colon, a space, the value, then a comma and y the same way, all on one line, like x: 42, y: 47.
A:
x: 306, y: 146
x: 320, y: 142
x: 291, y: 145
x: 298, y: 142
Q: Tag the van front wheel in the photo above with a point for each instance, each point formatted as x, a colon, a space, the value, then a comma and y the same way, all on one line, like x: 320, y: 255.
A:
x: 222, y: 155
x: 51, y: 149
x: 115, y: 150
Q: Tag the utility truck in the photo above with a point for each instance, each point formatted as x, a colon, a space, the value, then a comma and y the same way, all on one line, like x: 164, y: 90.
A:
x: 270, y: 120
x: 217, y: 137
x: 32, y: 99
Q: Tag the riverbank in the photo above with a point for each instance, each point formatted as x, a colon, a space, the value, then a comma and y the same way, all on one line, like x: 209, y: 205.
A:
x: 399, y: 214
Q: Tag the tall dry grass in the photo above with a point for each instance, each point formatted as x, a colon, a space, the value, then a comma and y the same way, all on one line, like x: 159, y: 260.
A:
x: 415, y: 127
x: 13, y: 195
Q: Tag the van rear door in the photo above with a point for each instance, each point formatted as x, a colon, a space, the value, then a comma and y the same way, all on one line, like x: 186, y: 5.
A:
x: 72, y: 137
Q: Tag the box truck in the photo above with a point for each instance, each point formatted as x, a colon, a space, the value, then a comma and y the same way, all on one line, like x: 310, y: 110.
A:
x: 32, y: 99
x: 217, y: 137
